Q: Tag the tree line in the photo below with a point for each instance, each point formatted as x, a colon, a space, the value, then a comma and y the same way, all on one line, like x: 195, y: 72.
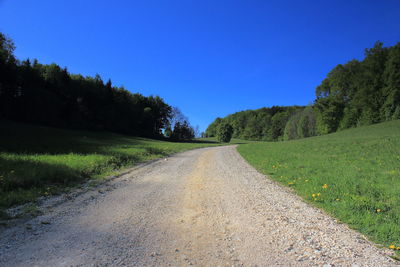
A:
x: 49, y: 95
x: 353, y: 94
x: 262, y: 124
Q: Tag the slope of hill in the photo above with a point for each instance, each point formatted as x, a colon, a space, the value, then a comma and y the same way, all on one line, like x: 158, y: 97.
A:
x: 353, y: 175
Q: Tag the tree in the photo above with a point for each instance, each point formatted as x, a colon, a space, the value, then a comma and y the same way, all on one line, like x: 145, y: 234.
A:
x: 391, y: 108
x: 182, y: 132
x: 301, y: 124
x: 369, y: 96
x: 329, y: 113
x: 7, y: 48
x: 291, y: 128
x: 168, y: 132
x: 8, y: 75
x: 212, y: 128
x: 278, y: 123
x: 224, y: 133
x: 177, y: 116
x: 253, y: 129
x: 256, y: 124
x: 307, y: 123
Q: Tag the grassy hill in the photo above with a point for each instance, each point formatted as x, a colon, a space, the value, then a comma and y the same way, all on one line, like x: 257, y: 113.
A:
x: 36, y: 161
x: 353, y: 175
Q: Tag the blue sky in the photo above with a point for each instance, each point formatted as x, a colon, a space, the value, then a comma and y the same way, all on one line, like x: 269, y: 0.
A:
x: 209, y: 58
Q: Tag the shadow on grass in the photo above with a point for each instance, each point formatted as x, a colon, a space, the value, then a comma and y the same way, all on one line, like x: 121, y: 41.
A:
x: 21, y: 173
x: 31, y: 139
x: 24, y: 180
x: 28, y: 139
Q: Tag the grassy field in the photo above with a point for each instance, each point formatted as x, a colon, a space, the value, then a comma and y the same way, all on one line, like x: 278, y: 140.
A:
x: 38, y: 161
x: 354, y: 175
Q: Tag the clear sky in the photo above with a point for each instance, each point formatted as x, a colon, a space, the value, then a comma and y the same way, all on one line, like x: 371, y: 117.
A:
x: 208, y: 57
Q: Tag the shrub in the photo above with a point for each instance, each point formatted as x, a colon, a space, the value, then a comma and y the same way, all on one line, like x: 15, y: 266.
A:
x: 224, y: 132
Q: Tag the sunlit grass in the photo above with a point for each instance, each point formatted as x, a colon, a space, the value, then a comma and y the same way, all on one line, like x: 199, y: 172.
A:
x: 354, y: 175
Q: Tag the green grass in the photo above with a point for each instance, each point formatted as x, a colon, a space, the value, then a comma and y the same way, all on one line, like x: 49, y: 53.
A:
x: 355, y: 172
x: 38, y: 161
x: 233, y: 141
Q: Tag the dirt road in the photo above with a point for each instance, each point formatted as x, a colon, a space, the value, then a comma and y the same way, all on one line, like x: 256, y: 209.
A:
x: 205, y: 207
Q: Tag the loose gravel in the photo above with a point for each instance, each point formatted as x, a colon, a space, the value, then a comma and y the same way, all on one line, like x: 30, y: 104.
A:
x: 205, y: 207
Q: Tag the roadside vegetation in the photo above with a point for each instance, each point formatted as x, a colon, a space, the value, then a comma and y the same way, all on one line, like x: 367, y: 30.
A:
x: 354, y: 175
x: 39, y: 161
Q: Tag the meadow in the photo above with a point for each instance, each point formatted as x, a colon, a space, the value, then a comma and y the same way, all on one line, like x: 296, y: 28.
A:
x: 353, y: 175
x: 39, y: 161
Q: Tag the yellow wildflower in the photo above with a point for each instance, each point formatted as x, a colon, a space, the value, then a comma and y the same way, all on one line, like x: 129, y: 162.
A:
x: 392, y: 246
x: 314, y: 195
x: 319, y: 194
x: 306, y: 180
x: 325, y: 186
x: 378, y: 210
x: 337, y: 199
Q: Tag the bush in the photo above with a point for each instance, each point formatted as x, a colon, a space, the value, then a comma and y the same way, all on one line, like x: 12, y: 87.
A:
x: 224, y: 133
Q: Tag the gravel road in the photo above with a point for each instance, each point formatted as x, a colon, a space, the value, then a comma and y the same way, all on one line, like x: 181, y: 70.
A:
x: 205, y: 207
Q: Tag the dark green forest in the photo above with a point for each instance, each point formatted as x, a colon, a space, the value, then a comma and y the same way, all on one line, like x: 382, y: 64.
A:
x: 49, y: 95
x: 353, y: 94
